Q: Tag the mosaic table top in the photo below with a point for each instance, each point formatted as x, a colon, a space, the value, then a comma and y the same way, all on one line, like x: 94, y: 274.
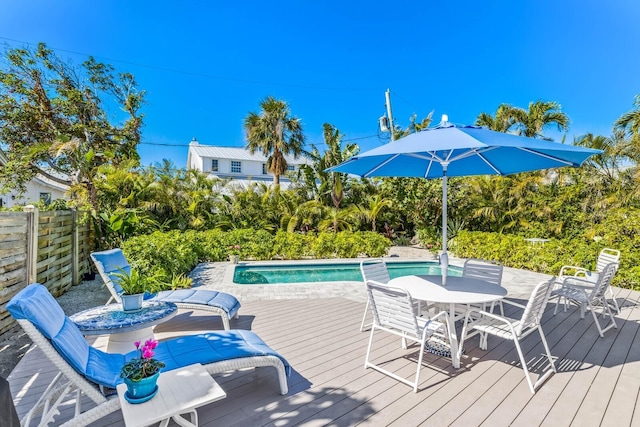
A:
x: 111, y: 319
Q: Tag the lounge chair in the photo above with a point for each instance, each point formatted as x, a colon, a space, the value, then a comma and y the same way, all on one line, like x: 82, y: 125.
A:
x: 113, y: 261
x: 90, y: 371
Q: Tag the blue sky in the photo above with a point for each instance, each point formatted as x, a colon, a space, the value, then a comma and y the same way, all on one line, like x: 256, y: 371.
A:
x: 206, y: 64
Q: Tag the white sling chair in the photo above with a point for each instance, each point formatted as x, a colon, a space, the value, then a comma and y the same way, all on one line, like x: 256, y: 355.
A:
x: 589, y: 295
x: 393, y: 312
x: 606, y: 256
x: 515, y: 329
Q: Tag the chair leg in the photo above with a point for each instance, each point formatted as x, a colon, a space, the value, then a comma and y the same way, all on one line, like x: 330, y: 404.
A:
x: 364, y: 316
x: 415, y: 384
x: 366, y: 358
x: 524, y: 366
x: 605, y: 311
x: 613, y: 299
x: 546, y: 349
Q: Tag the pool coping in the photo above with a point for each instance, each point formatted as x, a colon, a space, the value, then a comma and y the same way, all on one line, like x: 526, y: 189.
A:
x: 231, y: 268
x: 219, y: 276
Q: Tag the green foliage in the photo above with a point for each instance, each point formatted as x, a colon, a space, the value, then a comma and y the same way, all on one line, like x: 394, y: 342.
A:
x: 515, y: 251
x: 171, y: 254
x: 55, y: 116
x: 402, y: 241
x: 293, y: 245
x: 163, y: 254
x: 135, y: 283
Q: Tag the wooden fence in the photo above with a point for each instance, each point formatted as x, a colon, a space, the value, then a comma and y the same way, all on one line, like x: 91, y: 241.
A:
x: 49, y: 247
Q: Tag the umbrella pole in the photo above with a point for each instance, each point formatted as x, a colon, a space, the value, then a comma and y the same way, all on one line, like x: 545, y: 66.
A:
x: 444, y: 257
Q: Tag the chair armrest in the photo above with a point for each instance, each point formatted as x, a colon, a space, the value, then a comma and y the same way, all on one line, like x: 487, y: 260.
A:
x: 506, y: 301
x: 491, y: 315
x: 577, y: 282
x: 577, y: 270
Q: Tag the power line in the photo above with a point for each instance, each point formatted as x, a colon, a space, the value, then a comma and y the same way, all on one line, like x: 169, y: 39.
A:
x: 165, y: 144
x: 197, y: 74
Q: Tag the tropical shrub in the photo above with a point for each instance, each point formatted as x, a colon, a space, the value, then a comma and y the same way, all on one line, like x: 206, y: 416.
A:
x: 174, y: 253
x: 515, y: 251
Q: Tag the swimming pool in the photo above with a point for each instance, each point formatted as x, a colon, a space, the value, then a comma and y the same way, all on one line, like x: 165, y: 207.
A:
x: 261, y: 274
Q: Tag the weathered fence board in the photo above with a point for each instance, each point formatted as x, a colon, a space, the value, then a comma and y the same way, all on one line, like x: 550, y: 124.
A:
x: 50, y: 247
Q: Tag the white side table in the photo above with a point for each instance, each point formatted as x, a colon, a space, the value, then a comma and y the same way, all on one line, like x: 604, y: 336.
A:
x: 180, y: 392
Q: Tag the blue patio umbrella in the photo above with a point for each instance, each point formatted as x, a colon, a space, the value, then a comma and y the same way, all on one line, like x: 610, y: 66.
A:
x: 457, y: 150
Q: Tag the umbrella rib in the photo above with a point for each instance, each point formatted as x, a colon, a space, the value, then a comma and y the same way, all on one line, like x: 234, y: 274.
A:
x: 380, y: 165
x: 547, y: 156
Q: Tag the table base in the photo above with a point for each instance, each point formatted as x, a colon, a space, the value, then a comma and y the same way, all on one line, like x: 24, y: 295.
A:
x: 123, y: 343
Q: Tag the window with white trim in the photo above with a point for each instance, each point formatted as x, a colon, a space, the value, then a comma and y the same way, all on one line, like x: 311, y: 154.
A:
x: 45, y: 198
x: 264, y: 169
x: 291, y: 168
x: 214, y: 165
x: 236, y: 166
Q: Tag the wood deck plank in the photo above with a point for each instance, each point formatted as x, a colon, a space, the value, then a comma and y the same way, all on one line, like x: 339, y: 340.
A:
x: 322, y: 341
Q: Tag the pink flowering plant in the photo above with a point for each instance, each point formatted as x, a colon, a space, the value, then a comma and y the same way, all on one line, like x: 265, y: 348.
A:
x: 234, y: 249
x: 143, y: 366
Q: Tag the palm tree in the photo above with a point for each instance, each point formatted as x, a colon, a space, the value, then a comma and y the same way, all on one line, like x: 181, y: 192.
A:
x: 371, y: 211
x: 415, y: 127
x: 503, y: 120
x: 275, y: 133
x: 630, y: 122
x: 529, y: 122
x: 540, y: 115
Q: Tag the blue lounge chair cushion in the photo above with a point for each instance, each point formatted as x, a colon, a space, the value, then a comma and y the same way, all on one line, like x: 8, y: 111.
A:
x: 35, y: 304
x: 223, y: 301
x: 113, y: 261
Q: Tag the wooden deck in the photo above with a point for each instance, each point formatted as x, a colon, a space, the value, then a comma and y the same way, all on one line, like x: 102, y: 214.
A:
x: 597, y: 383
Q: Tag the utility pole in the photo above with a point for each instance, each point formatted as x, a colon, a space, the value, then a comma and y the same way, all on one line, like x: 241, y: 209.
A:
x: 388, y: 99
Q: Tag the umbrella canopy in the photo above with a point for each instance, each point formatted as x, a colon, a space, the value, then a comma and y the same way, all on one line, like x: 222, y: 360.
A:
x: 455, y: 150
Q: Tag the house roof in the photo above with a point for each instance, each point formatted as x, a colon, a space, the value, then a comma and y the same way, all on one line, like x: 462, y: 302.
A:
x: 47, y: 178
x: 236, y: 153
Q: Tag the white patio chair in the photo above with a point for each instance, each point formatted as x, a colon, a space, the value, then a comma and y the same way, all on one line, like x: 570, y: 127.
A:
x: 393, y: 312
x: 487, y: 323
x: 589, y: 295
x: 488, y: 271
x: 372, y: 269
x: 606, y: 256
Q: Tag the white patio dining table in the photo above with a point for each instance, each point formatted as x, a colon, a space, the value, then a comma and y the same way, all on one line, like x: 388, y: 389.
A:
x: 458, y: 290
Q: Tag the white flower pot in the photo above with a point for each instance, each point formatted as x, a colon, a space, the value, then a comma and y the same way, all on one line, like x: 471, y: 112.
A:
x: 131, y: 302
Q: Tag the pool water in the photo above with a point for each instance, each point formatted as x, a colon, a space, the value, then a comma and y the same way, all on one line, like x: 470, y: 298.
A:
x: 257, y: 274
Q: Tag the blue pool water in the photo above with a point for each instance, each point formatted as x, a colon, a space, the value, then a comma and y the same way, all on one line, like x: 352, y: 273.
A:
x: 256, y: 274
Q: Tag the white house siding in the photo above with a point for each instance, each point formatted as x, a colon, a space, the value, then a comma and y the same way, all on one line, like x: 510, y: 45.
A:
x: 34, y: 189
x: 200, y: 157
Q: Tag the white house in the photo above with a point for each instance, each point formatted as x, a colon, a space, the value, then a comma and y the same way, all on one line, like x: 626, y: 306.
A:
x: 236, y: 163
x: 43, y: 187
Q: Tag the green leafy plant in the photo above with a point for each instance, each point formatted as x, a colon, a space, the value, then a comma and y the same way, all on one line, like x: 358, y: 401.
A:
x: 180, y: 281
x: 135, y: 283
x: 144, y: 365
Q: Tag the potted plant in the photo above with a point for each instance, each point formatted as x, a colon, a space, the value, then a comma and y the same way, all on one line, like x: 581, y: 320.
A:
x: 234, y: 253
x: 141, y: 373
x: 134, y: 286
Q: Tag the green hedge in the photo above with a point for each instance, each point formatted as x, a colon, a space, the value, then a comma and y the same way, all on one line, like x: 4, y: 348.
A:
x: 175, y: 252
x: 515, y: 251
